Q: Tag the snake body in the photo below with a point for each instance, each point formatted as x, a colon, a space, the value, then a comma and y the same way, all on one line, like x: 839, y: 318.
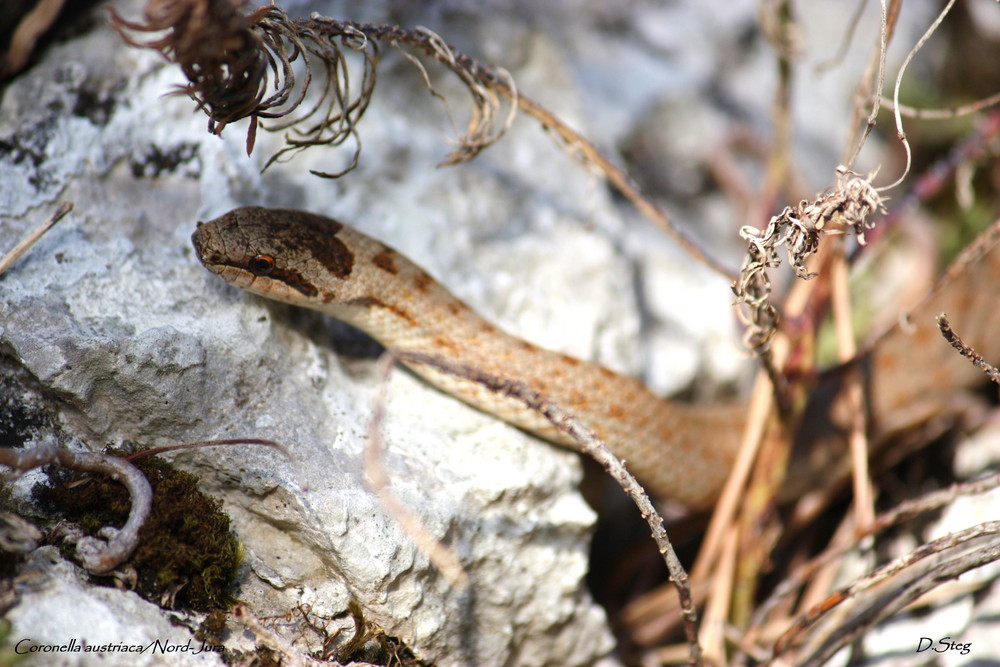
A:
x: 679, y: 451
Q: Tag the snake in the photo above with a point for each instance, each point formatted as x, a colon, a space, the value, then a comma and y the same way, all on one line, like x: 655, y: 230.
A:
x: 679, y: 451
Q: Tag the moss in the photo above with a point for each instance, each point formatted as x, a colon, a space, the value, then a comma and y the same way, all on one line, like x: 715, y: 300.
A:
x: 187, y: 556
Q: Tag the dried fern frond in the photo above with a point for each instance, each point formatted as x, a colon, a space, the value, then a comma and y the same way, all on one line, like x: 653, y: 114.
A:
x: 229, y: 59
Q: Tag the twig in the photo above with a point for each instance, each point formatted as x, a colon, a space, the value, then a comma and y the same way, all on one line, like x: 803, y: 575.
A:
x: 33, y: 236
x: 591, y: 445
x: 476, y: 75
x: 209, y: 443
x: 894, y: 586
x: 864, y: 502
x: 943, y: 114
x: 939, y: 175
x: 845, y: 43
x: 966, y: 350
x: 97, y: 556
x: 900, y: 134
x: 273, y: 640
x: 440, y: 556
x: 902, y: 512
x: 883, y: 47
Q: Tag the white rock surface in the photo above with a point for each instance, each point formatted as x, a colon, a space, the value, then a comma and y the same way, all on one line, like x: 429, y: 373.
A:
x: 125, y: 335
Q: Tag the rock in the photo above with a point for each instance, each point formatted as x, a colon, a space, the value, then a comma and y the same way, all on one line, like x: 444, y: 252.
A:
x: 112, y: 328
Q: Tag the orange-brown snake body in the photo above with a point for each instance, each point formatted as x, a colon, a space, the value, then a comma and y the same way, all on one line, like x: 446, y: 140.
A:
x: 680, y: 451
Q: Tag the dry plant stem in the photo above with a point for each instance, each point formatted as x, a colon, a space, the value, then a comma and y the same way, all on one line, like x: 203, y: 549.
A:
x: 578, y: 146
x: 759, y: 525
x: 902, y: 512
x: 466, y: 67
x: 97, y: 556
x: 32, y: 237
x: 955, y: 554
x: 593, y: 447
x: 864, y: 502
x: 900, y: 134
x: 622, y: 182
x: 876, y: 68
x: 440, y: 556
x: 717, y: 610
x: 152, y: 451
x: 845, y: 44
x: 758, y: 411
x: 943, y: 114
x: 817, y: 588
x: 289, y: 654
x: 940, y: 175
x: 966, y: 350
x: 783, y: 41
x: 231, y: 84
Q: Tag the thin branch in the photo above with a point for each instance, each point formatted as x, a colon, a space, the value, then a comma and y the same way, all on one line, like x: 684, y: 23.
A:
x: 894, y: 586
x: 32, y: 237
x: 210, y: 443
x: 864, y: 501
x: 883, y: 47
x: 966, y: 350
x: 845, y: 43
x: 591, y: 445
x: 440, y: 556
x: 900, y: 134
x: 96, y: 556
x: 943, y: 114
x: 806, y: 572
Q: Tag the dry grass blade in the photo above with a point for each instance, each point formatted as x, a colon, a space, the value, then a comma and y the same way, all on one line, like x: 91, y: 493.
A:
x: 894, y: 517
x: 594, y: 447
x: 887, y: 590
x: 32, y: 237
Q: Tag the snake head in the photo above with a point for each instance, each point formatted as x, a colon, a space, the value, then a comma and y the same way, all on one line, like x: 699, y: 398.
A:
x: 287, y: 255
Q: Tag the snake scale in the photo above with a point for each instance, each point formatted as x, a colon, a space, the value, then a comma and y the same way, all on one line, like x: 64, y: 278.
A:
x: 679, y: 451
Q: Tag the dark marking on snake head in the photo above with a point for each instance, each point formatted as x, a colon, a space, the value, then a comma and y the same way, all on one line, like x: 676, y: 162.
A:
x: 295, y: 280
x: 303, y: 236
x: 318, y: 235
x: 386, y: 260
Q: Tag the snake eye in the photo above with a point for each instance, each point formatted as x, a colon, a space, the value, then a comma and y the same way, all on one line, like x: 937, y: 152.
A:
x: 261, y: 265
